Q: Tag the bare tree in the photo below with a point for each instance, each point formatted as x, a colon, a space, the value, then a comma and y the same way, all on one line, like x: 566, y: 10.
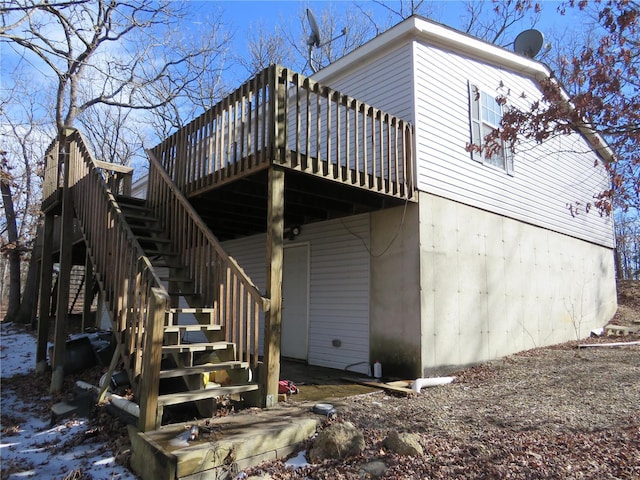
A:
x: 627, y: 230
x: 105, y: 52
x: 401, y: 9
x: 206, y: 86
x: 265, y: 48
x: 339, y: 35
x: 139, y: 55
x: 10, y: 248
x: 22, y: 140
x: 495, y: 21
x: 111, y: 135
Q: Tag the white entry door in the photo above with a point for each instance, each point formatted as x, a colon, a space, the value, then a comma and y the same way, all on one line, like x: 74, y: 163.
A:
x: 295, y: 302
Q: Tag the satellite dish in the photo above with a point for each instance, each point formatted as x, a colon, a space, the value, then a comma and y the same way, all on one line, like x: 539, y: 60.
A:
x: 528, y: 43
x: 314, y: 37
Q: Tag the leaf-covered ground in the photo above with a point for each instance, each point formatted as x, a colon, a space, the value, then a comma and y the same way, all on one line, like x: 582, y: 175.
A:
x: 33, y: 447
x: 547, y: 413
x: 557, y: 412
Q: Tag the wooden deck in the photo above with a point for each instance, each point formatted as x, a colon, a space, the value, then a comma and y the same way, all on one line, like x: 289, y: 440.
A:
x: 282, y: 118
x: 340, y: 156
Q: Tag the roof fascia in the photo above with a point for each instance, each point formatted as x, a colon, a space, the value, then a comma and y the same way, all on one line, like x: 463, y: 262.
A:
x: 417, y: 28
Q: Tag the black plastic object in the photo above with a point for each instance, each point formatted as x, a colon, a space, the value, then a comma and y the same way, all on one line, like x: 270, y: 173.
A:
x: 79, y: 355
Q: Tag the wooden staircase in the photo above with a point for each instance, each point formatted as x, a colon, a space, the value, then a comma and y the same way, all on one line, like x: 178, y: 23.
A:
x: 183, y: 312
x: 195, y: 346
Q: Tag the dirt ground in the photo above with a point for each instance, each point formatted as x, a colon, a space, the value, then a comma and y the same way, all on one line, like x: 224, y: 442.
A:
x: 558, y: 412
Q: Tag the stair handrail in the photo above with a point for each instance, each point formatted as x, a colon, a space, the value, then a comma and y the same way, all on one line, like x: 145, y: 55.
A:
x: 132, y: 289
x: 179, y: 219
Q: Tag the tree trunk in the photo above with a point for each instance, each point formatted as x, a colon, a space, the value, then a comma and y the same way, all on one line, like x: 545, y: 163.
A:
x: 12, y: 251
x: 26, y: 312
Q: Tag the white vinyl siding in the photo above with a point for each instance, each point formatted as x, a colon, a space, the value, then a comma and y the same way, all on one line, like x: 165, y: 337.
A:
x: 385, y: 83
x: 550, y: 176
x: 339, y: 287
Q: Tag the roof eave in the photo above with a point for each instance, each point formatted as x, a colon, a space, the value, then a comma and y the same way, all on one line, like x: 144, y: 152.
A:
x: 418, y: 28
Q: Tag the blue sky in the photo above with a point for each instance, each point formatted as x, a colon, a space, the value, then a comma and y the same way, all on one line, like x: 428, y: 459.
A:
x: 239, y: 17
x: 242, y: 15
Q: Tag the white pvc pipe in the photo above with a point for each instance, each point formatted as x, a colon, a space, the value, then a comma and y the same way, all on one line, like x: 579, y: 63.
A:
x: 116, y: 400
x: 420, y: 383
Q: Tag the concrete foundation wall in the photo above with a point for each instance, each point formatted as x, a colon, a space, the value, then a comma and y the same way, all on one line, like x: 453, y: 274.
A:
x: 492, y: 286
x: 395, y: 291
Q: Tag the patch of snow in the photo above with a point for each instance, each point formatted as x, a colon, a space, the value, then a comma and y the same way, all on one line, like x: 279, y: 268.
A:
x: 300, y: 460
x: 34, y: 448
x: 17, y: 351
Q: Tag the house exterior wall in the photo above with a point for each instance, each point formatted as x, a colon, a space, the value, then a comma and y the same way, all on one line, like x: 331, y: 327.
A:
x: 384, y: 81
x: 339, y: 287
x: 419, y: 80
x: 547, y: 178
x: 504, y: 265
x: 396, y: 329
x: 492, y: 286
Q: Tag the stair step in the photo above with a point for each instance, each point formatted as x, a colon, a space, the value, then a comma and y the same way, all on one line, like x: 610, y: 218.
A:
x: 192, y: 310
x: 196, y: 347
x: 174, y: 313
x: 131, y: 200
x: 179, y: 293
x: 183, y: 397
x: 143, y: 218
x: 160, y: 252
x: 199, y: 369
x: 130, y: 208
x: 176, y: 279
x: 145, y: 229
x: 153, y: 240
x: 192, y: 328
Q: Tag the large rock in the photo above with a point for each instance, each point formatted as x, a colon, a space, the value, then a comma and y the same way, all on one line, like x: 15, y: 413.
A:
x: 339, y: 440
x: 404, y: 443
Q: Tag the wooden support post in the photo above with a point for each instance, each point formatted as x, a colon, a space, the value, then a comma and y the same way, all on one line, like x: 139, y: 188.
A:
x: 89, y: 289
x: 46, y: 281
x: 107, y: 378
x: 64, y: 277
x: 100, y: 308
x: 273, y: 317
x: 150, y: 415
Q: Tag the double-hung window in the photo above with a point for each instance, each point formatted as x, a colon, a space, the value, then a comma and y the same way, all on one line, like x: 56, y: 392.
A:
x: 486, y: 116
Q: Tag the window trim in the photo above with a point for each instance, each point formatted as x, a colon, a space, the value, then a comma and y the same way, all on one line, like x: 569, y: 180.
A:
x: 476, y: 130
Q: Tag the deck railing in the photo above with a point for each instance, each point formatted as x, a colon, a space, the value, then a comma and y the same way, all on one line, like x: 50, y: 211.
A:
x: 283, y: 117
x: 133, y: 292
x: 221, y: 283
x: 117, y: 177
x: 52, y: 180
